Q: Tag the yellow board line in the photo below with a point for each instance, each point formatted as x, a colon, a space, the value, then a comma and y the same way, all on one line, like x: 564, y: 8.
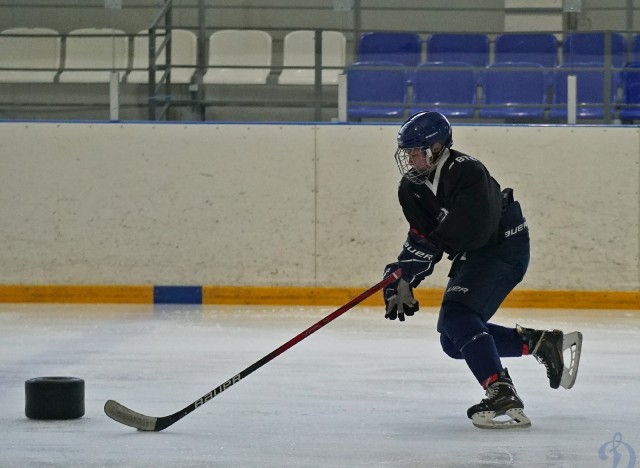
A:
x: 77, y: 294
x: 304, y: 296
x: 427, y: 297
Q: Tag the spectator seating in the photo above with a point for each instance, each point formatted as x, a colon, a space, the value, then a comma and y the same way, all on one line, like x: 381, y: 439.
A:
x: 441, y: 88
x: 467, y: 48
x: 97, y: 55
x: 588, y: 47
x: 541, y: 48
x: 233, y: 48
x: 183, y: 56
x: 442, y: 82
x: 405, y: 48
x: 299, y: 51
x: 631, y: 92
x: 590, y: 91
x: 375, y: 92
x: 517, y: 88
x: 42, y: 52
x: 634, y: 53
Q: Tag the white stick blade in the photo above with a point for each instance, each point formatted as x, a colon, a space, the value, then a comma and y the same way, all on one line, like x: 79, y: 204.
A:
x: 128, y: 417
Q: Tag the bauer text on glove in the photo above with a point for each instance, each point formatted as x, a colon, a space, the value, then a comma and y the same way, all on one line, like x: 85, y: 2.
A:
x: 418, y: 257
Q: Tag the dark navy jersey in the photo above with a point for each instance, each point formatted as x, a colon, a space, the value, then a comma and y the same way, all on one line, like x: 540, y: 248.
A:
x: 458, y: 207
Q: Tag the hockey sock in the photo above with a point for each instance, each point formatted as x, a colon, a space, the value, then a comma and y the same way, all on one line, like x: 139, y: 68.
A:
x: 481, y: 356
x: 507, y: 340
x: 465, y: 330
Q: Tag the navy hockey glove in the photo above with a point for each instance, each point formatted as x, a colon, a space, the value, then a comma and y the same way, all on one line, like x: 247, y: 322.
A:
x: 417, y: 259
x: 398, y: 297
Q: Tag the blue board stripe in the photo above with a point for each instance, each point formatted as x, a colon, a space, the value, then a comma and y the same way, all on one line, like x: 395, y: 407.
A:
x: 177, y: 294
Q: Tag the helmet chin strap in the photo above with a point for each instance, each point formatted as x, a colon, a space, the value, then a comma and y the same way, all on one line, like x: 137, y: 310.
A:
x: 433, y: 158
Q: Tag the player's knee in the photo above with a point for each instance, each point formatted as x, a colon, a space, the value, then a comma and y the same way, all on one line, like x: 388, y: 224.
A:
x: 449, y: 348
x: 458, y: 323
x: 455, y: 318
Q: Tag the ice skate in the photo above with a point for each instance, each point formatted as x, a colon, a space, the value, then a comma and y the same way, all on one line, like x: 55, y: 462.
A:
x: 501, y: 409
x: 548, y: 346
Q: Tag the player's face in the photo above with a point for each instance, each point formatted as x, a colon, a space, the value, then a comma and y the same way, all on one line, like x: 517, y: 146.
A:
x: 416, y: 163
x: 418, y: 160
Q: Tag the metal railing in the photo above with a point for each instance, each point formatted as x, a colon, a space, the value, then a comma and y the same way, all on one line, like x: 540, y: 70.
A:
x: 164, y: 23
x: 163, y: 95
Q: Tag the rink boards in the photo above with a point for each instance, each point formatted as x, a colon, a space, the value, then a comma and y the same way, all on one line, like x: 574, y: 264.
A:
x: 303, y: 296
x: 293, y: 214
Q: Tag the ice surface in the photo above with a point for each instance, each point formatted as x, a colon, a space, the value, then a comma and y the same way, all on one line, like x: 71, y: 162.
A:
x: 362, y: 391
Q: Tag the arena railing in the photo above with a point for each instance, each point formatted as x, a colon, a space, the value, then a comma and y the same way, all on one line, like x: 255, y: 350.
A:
x: 316, y: 102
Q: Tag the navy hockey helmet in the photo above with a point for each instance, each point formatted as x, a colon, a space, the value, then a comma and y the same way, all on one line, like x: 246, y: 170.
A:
x: 422, y: 139
x: 424, y: 129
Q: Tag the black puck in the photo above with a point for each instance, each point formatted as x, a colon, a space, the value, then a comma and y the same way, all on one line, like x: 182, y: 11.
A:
x: 54, y: 398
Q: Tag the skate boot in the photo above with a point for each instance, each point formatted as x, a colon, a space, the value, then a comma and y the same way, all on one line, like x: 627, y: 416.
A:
x: 502, y: 408
x: 548, y: 346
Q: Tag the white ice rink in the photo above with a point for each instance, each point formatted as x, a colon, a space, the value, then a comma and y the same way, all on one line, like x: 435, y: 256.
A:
x: 361, y: 392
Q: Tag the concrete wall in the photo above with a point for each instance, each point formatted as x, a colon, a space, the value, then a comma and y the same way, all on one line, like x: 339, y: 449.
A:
x: 408, y: 15
x: 440, y: 15
x: 292, y: 205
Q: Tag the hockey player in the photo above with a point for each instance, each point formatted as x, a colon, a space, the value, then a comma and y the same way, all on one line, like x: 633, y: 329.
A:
x: 455, y: 207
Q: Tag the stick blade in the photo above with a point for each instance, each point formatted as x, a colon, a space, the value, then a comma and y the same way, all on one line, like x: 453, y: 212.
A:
x: 128, y: 417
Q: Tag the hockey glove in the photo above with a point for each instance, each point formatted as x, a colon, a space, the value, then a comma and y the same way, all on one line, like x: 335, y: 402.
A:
x: 398, y: 298
x: 417, y: 259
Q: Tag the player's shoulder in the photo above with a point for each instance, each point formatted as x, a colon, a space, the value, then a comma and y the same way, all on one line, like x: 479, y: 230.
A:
x: 408, y: 190
x: 462, y: 162
x: 404, y: 184
x: 458, y: 157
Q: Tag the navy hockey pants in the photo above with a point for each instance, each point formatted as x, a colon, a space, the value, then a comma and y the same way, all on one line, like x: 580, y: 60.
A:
x: 479, y: 281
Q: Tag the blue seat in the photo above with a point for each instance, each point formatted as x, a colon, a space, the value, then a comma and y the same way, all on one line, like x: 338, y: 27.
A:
x: 631, y: 92
x: 516, y: 90
x: 588, y: 47
x: 405, y: 48
x: 635, y: 49
x: 539, y: 48
x: 589, y: 90
x: 450, y: 91
x: 376, y: 92
x: 466, y: 48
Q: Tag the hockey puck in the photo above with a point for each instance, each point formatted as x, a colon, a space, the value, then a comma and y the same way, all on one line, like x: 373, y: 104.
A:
x: 54, y: 398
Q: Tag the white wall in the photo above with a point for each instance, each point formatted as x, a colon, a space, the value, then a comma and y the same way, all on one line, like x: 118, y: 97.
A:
x: 300, y: 205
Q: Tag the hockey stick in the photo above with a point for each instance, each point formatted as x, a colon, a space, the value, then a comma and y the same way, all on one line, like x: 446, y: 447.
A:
x: 126, y: 416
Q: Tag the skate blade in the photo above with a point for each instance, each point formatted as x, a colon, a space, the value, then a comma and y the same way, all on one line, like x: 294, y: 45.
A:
x: 573, y: 343
x: 511, y: 419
